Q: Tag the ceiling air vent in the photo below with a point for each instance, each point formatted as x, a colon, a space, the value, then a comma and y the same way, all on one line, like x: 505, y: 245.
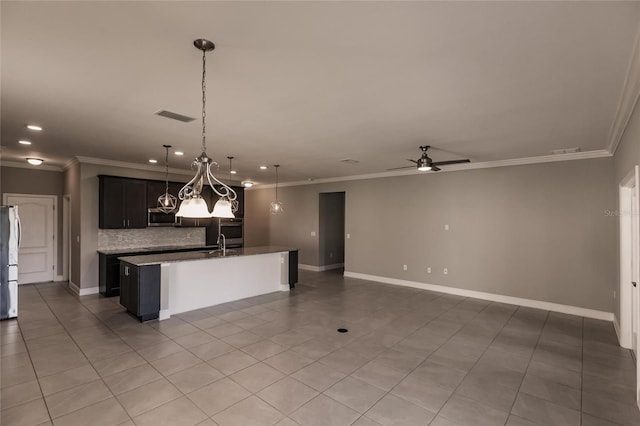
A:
x: 349, y: 161
x: 174, y: 116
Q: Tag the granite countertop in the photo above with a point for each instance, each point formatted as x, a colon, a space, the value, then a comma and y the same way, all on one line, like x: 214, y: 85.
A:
x: 153, y: 259
x: 159, y: 248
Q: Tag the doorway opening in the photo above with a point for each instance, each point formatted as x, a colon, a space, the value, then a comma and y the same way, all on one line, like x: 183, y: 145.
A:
x: 331, y: 230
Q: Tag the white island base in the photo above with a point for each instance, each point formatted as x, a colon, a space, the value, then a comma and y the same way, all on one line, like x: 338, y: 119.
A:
x: 196, y: 284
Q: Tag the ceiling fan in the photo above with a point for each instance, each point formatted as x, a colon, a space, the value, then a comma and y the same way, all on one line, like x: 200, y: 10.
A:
x: 425, y: 163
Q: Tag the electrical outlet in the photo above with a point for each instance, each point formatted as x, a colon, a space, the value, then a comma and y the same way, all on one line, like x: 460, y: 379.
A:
x: 614, y: 294
x: 348, y: 236
x: 446, y: 271
x: 446, y: 227
x: 428, y: 270
x: 404, y: 267
x: 313, y: 233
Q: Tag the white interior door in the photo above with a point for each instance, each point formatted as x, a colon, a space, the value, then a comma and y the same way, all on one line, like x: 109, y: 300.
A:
x: 36, y: 255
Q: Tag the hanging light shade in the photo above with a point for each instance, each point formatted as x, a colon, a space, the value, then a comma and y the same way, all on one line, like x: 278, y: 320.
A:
x: 167, y: 203
x: 276, y: 206
x: 193, y: 205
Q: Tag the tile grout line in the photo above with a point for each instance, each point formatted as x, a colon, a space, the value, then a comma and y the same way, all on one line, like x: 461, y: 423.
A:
x: 478, y: 360
x: 524, y: 375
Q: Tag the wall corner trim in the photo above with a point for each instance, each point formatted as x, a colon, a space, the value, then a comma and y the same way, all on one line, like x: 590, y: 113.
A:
x: 530, y: 303
x: 83, y: 291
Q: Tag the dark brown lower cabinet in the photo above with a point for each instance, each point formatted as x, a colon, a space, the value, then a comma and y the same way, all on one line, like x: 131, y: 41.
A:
x: 140, y: 290
x: 293, y: 268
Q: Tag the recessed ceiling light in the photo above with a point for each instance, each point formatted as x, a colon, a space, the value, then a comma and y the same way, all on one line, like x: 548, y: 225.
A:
x: 34, y: 127
x: 247, y: 184
x: 233, y: 172
x: 23, y: 142
x: 152, y: 161
x: 35, y: 161
x: 179, y: 153
x: 263, y: 167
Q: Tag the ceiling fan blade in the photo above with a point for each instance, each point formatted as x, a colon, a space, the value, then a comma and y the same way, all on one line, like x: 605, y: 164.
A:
x: 413, y: 161
x: 400, y: 168
x: 444, y: 163
x: 435, y: 168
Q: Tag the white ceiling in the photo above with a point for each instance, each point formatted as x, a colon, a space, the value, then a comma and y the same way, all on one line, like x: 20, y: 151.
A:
x: 306, y: 84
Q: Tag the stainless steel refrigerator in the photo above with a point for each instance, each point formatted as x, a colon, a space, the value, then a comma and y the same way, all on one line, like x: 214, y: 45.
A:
x: 9, y: 244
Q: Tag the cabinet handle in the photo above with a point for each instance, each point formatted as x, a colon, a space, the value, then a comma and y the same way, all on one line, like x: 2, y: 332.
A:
x: 128, y: 223
x: 126, y: 271
x: 124, y: 224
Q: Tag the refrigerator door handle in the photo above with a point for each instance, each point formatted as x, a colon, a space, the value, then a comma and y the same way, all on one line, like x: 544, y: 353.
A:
x: 19, y: 231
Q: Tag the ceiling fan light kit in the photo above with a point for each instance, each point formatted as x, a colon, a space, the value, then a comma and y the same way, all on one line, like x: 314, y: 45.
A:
x: 193, y: 205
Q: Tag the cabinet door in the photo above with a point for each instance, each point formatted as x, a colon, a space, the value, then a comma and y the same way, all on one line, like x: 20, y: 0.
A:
x: 155, y: 188
x: 135, y: 203
x: 111, y: 209
x: 125, y: 286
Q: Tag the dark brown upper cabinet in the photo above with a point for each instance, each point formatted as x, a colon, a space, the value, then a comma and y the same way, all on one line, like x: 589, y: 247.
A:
x: 123, y: 203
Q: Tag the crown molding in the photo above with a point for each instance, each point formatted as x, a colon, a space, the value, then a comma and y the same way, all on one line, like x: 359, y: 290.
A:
x: 127, y: 165
x: 30, y: 167
x: 628, y: 99
x: 601, y: 153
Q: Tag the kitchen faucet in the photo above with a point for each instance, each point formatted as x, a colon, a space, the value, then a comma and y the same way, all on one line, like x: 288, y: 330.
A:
x: 224, y: 244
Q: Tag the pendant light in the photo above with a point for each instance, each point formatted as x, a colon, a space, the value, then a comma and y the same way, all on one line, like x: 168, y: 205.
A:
x: 276, y: 206
x: 193, y: 205
x: 167, y: 203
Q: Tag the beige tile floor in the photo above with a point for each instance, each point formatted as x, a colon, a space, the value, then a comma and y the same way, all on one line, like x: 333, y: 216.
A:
x: 410, y: 357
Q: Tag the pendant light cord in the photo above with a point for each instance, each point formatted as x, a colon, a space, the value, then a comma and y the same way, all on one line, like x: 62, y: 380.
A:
x: 204, y: 100
x: 166, y: 172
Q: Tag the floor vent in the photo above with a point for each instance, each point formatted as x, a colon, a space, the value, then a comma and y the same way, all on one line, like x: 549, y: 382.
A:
x: 174, y: 116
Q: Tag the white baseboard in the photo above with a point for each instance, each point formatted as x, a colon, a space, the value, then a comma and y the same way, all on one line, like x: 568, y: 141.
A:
x: 320, y: 268
x: 83, y: 291
x: 530, y: 303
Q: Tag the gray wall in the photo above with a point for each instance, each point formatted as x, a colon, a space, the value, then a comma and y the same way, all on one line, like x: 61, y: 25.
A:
x: 535, y: 231
x: 331, y: 228
x: 72, y: 190
x: 39, y: 182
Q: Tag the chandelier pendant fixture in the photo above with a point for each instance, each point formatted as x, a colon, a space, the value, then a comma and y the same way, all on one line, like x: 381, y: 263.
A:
x: 167, y: 203
x: 234, y: 203
x: 276, y: 206
x: 193, y: 205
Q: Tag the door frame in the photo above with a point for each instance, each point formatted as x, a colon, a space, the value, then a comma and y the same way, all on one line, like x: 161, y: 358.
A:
x: 66, y: 237
x: 5, y: 197
x: 629, y: 222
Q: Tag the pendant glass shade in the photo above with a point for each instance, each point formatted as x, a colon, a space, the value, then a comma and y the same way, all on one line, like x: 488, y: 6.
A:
x: 276, y: 207
x: 193, y: 208
x: 222, y: 209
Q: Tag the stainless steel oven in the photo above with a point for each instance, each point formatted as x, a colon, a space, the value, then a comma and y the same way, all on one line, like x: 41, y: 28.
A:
x: 233, y: 231
x: 156, y: 217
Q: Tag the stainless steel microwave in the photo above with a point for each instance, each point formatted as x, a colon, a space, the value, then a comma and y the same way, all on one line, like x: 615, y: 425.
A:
x: 156, y: 217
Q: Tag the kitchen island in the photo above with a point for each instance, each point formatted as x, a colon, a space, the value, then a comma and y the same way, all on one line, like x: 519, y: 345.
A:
x: 164, y: 284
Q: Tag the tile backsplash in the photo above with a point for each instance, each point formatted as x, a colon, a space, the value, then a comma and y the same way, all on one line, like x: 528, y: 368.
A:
x: 110, y: 239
